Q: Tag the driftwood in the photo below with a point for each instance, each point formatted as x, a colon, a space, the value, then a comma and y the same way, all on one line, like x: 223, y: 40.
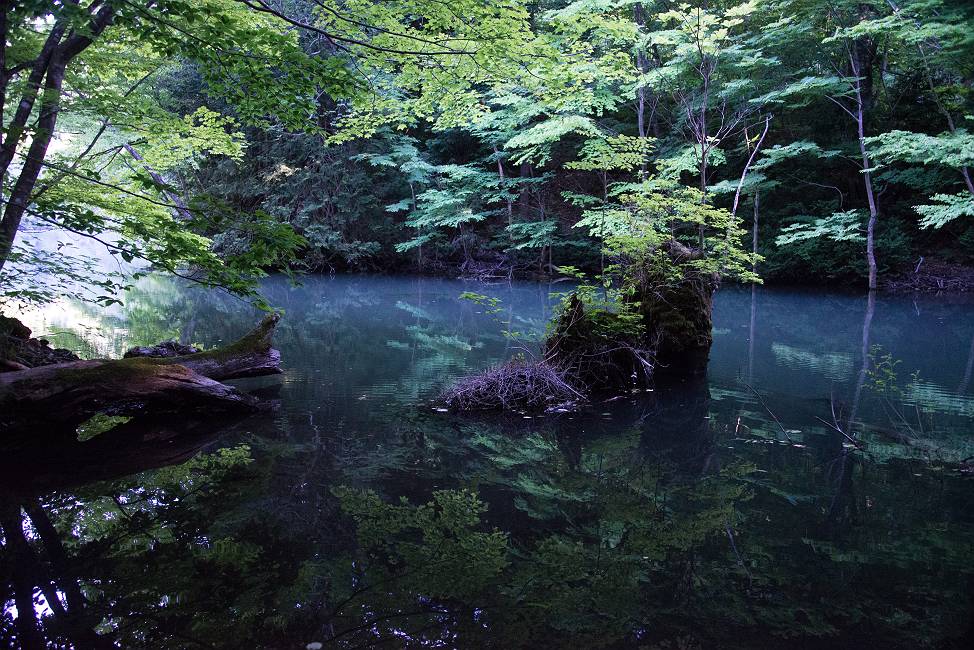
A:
x: 55, y: 399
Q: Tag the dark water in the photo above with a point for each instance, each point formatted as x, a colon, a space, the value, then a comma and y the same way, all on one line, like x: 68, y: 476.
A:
x: 813, y: 491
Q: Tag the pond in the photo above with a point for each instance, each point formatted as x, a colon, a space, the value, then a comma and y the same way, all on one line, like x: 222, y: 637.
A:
x: 814, y: 490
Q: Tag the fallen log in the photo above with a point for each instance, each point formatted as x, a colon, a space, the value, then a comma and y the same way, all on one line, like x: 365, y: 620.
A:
x: 55, y: 399
x: 251, y: 356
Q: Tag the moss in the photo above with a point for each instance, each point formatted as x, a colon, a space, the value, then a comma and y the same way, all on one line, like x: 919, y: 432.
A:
x: 121, y: 370
x: 678, y: 317
x: 598, y: 349
x: 99, y: 424
x: 257, y: 341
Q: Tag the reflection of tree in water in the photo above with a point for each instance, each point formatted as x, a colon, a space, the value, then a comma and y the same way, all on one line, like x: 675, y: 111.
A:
x: 660, y: 526
x: 623, y: 539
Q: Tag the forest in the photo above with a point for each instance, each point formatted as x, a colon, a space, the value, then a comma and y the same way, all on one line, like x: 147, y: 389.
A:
x: 486, y: 323
x: 826, y: 141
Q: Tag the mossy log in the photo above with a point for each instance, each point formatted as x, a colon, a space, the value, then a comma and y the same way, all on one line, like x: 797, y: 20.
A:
x: 55, y: 399
x: 251, y: 356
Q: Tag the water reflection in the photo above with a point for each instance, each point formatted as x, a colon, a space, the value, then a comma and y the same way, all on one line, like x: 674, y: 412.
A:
x: 811, y: 491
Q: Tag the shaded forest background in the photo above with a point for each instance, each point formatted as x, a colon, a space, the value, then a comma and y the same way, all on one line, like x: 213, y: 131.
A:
x: 499, y: 196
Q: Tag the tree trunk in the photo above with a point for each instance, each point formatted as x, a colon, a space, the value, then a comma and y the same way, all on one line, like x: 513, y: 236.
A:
x: 45, y: 79
x: 20, y: 195
x: 179, y: 207
x: 754, y: 229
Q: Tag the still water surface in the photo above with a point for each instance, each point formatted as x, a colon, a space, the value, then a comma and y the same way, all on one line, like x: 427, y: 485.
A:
x: 813, y: 491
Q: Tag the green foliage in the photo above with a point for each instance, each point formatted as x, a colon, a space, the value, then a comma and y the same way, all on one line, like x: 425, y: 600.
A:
x: 842, y: 226
x: 454, y: 558
x: 460, y: 195
x: 394, y: 135
x: 491, y: 304
x: 954, y: 150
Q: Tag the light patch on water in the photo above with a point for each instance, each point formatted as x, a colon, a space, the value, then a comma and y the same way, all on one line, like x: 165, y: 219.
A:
x: 832, y: 365
x: 79, y: 327
x: 932, y: 397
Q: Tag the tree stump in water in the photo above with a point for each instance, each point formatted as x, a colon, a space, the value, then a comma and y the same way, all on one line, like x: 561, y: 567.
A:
x: 605, y: 349
x: 679, y: 320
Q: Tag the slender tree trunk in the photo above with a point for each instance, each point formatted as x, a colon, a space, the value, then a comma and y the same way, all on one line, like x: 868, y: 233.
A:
x: 703, y: 138
x: 871, y: 226
x: 605, y: 199
x: 642, y: 64
x: 754, y: 229
x: 45, y: 79
x: 503, y: 178
x: 524, y: 198
x: 747, y: 166
x: 860, y: 116
x: 701, y: 243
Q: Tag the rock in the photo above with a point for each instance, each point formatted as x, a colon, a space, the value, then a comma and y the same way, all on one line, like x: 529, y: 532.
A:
x: 165, y: 349
x: 13, y: 328
x: 18, y: 350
